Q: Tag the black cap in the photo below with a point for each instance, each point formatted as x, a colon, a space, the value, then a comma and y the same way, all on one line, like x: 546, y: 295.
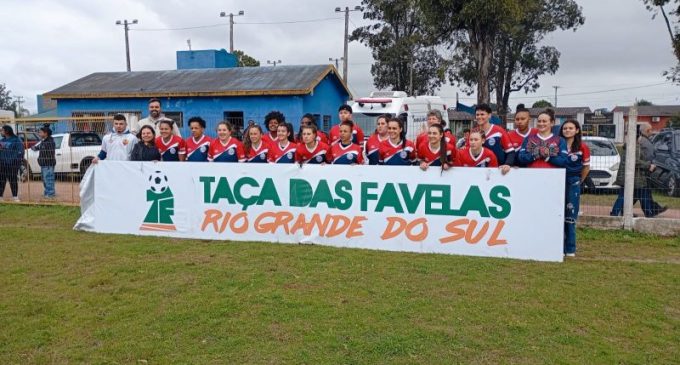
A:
x: 345, y: 107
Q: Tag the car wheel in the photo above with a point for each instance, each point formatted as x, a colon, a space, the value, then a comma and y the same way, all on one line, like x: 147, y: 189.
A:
x: 85, y: 164
x: 673, y: 186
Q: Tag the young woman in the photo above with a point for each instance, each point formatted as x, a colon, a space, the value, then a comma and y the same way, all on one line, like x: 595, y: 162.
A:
x: 496, y: 138
x: 225, y: 148
x: 145, y: 149
x: 522, y: 130
x: 345, y: 152
x: 543, y: 149
x: 308, y: 119
x: 372, y: 148
x: 310, y: 150
x: 272, y: 121
x: 434, y: 117
x: 254, y: 146
x: 578, y: 166
x: 397, y: 150
x: 170, y: 146
x: 47, y: 160
x: 475, y: 154
x: 435, y: 151
x: 198, y: 143
x: 283, y: 150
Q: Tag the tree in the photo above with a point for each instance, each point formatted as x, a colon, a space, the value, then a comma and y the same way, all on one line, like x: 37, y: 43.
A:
x: 643, y: 102
x: 658, y: 5
x: 244, y: 60
x: 7, y: 102
x: 405, y: 57
x: 542, y: 104
x: 674, y: 122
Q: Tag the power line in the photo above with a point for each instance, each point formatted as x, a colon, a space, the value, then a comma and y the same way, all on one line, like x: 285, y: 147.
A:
x: 244, y: 23
x: 294, y: 21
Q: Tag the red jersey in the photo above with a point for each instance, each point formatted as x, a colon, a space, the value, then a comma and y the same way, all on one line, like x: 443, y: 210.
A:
x: 198, y: 150
x: 401, y: 154
x: 232, y: 151
x: 372, y: 148
x: 516, y: 138
x: 465, y: 158
x: 425, y: 153
x: 422, y: 138
x: 170, y: 151
x: 346, y: 155
x: 317, y: 155
x: 260, y: 153
x: 285, y: 154
x: 357, y: 134
x: 269, y: 137
x: 320, y: 137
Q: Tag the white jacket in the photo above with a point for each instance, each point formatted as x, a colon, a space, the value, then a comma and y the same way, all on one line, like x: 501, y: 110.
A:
x: 117, y: 146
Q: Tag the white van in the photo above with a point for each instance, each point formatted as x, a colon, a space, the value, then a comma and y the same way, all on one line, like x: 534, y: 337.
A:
x: 412, y: 109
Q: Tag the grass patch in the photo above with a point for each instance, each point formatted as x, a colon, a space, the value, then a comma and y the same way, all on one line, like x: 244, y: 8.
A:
x: 74, y: 297
x: 607, y: 200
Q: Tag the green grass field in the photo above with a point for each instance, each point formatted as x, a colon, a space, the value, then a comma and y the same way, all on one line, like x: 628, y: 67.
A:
x: 70, y: 297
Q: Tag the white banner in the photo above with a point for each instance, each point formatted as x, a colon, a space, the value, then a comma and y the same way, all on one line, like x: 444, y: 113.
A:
x: 466, y: 211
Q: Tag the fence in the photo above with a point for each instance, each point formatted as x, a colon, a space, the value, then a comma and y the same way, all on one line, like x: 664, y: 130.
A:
x: 79, y: 141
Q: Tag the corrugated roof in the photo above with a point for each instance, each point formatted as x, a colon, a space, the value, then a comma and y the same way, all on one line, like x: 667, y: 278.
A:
x: 651, y: 110
x: 562, y: 111
x: 459, y: 115
x: 238, y: 81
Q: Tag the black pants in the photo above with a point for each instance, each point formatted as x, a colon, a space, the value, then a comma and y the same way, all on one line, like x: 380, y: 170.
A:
x: 9, y: 173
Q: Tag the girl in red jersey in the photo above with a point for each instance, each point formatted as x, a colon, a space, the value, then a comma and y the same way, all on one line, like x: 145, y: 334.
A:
x: 283, y: 150
x: 226, y: 148
x: 434, y: 117
x: 198, y: 143
x: 271, y: 121
x: 310, y: 150
x: 522, y: 130
x: 543, y: 149
x: 170, y: 146
x: 435, y: 151
x: 475, y: 154
x: 397, y: 150
x: 344, y: 152
x: 372, y: 148
x: 254, y: 146
x: 308, y: 119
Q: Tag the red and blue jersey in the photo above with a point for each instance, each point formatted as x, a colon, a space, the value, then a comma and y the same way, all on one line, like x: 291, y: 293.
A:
x: 346, y: 154
x: 258, y: 154
x: 285, y: 154
x: 498, y: 142
x: 320, y: 137
x: 197, y: 151
x: 270, y: 138
x: 466, y: 158
x: 423, y: 138
x: 319, y: 154
x: 372, y: 149
x: 171, y: 150
x: 432, y: 157
x: 577, y: 160
x: 542, y: 152
x: 517, y: 138
x: 231, y: 151
x: 357, y: 134
x: 401, y: 154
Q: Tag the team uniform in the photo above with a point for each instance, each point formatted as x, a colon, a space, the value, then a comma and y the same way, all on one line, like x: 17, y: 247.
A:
x: 401, y: 154
x: 346, y: 154
x: 320, y: 137
x: 448, y: 136
x: 318, y: 155
x: 425, y: 153
x: 466, y: 158
x: 285, y: 154
x: 357, y: 134
x: 269, y: 137
x: 517, y: 138
x: 197, y: 151
x: 372, y: 148
x: 232, y: 151
x: 539, y: 152
x: 576, y: 162
x: 171, y: 150
x: 117, y: 146
x: 259, y: 154
x: 499, y: 143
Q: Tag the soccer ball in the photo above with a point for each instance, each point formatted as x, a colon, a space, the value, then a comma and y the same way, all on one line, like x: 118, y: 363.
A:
x: 158, y: 182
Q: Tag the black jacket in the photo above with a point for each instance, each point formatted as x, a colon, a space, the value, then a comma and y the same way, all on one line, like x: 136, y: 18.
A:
x: 143, y: 152
x: 46, y: 149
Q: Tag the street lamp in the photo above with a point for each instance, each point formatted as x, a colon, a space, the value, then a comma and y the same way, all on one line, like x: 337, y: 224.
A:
x: 231, y: 27
x: 337, y: 61
x: 273, y: 63
x: 347, y: 10
x: 126, y: 26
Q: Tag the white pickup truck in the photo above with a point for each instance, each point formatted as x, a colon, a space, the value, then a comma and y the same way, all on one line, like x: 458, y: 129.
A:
x: 73, y: 151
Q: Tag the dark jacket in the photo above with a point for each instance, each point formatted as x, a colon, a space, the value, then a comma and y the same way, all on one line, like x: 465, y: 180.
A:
x: 143, y: 152
x: 46, y: 149
x: 641, y: 168
x: 11, y: 151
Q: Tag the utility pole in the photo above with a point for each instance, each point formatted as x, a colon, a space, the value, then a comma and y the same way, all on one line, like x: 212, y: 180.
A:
x: 20, y: 100
x: 231, y: 27
x: 337, y: 61
x: 273, y: 63
x: 346, y: 41
x: 126, y: 26
x: 556, y: 87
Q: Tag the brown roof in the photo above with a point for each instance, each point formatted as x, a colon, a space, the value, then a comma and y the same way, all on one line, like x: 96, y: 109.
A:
x: 651, y: 110
x: 458, y: 115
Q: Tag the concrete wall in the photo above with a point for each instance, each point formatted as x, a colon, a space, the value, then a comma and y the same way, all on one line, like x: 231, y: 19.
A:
x: 657, y: 226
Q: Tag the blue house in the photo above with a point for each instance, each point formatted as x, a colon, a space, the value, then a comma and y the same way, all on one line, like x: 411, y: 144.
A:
x: 237, y: 94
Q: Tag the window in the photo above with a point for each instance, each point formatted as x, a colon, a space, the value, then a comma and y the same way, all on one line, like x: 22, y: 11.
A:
x: 236, y: 120
x: 85, y: 139
x: 177, y: 117
x: 326, y: 124
x: 57, y: 142
x: 600, y: 147
x: 607, y: 131
x: 656, y: 119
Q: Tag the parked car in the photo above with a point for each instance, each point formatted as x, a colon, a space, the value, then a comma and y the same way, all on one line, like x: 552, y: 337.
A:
x: 666, y: 177
x: 74, y: 153
x: 604, y: 162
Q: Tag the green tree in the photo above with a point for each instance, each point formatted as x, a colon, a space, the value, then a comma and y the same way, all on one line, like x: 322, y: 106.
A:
x: 542, y: 104
x: 674, y: 122
x: 7, y: 102
x: 244, y: 60
x: 405, y: 57
x: 643, y: 102
x: 657, y: 6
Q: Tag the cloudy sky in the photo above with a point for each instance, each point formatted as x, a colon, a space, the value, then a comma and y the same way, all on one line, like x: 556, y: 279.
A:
x: 616, y: 57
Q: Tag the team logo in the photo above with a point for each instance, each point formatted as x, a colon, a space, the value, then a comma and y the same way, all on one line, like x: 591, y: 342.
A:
x: 172, y: 150
x: 231, y: 151
x: 262, y: 156
x: 203, y: 148
x: 125, y: 142
x: 319, y: 158
x: 350, y: 156
x: 403, y: 154
x: 491, y: 141
x: 574, y: 158
x: 159, y: 217
x: 289, y: 155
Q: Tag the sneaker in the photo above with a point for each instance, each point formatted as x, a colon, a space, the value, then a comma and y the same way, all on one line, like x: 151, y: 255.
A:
x: 16, y: 199
x: 572, y: 254
x: 659, y: 211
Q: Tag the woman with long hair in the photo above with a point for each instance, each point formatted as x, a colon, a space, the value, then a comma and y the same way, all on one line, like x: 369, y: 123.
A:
x: 170, y: 145
x: 372, y: 148
x: 226, y: 148
x: 397, y: 150
x: 435, y: 151
x: 543, y: 149
x: 283, y: 150
x: 578, y: 167
x: 310, y: 150
x: 145, y: 149
x: 254, y: 146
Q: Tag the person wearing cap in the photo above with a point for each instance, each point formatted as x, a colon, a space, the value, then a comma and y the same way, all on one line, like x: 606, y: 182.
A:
x: 154, y: 119
x: 46, y: 160
x: 345, y: 115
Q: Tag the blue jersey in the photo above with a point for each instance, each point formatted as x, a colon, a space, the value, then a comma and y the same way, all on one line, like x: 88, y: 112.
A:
x: 577, y: 160
x: 197, y: 151
x: 498, y: 141
x: 542, y: 152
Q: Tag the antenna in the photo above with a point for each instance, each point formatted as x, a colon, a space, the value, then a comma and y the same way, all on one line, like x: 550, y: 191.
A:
x: 189, y: 44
